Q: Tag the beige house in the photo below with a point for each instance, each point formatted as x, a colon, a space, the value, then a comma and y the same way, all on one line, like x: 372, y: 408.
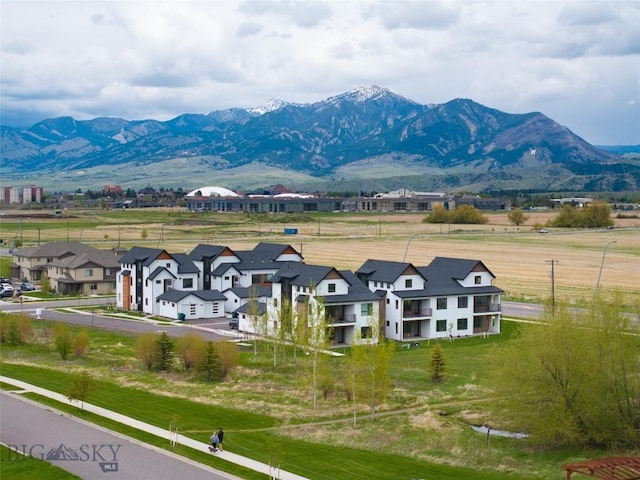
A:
x: 71, y: 267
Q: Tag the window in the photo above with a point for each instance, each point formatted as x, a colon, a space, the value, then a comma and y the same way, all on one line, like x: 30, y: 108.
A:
x: 441, y: 325
x: 365, y: 332
x: 88, y: 272
x: 462, y: 324
x: 477, y: 280
x: 366, y: 309
x: 93, y: 286
x: 187, y: 283
x: 275, y: 302
x: 408, y: 283
x: 463, y: 302
x: 441, y: 303
x: 168, y: 265
x: 332, y: 288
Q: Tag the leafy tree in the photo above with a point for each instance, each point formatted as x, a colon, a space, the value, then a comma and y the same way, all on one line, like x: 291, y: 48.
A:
x: 81, y: 387
x: 468, y: 214
x: 81, y: 343
x: 228, y: 355
x: 63, y: 340
x: 45, y: 284
x: 164, y: 353
x: 595, y: 215
x: 316, y: 340
x: 438, y: 363
x: 190, y: 348
x: 13, y: 336
x: 145, y: 349
x: 210, y: 365
x: 517, y: 217
x: 370, y: 367
x: 144, y: 234
x: 439, y: 214
x: 573, y: 378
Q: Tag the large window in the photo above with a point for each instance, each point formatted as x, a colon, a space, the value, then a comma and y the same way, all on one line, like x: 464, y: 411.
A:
x: 365, y: 332
x: 462, y: 324
x: 332, y: 288
x: 88, y: 272
x: 478, y: 280
x: 366, y: 309
x: 408, y: 283
x: 187, y: 283
x: 441, y: 325
x: 441, y: 303
x: 463, y: 302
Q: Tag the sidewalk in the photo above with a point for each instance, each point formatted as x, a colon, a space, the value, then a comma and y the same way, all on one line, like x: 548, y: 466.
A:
x: 158, y: 432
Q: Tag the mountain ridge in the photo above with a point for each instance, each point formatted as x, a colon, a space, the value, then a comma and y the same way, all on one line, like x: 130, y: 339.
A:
x: 322, y: 139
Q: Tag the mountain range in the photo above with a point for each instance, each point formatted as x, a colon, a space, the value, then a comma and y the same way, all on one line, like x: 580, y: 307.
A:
x: 368, y: 138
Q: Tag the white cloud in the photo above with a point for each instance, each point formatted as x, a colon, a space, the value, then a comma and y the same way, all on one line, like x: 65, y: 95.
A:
x: 577, y: 62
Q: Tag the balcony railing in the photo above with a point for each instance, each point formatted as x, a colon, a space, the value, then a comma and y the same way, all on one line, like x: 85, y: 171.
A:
x: 492, y: 307
x: 424, y: 312
x: 346, y: 318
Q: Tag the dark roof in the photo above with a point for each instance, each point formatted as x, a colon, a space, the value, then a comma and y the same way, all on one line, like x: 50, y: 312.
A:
x: 98, y: 258
x: 144, y: 254
x: 247, y: 292
x: 206, y: 295
x: 272, y: 250
x: 358, y: 291
x: 185, y: 263
x: 54, y: 249
x: 208, y: 251
x: 302, y: 274
x: 383, y: 270
x: 158, y: 271
x: 259, y: 308
x: 443, y: 273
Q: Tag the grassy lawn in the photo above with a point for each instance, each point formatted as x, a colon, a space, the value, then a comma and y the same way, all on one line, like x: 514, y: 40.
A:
x: 267, y: 411
x: 15, y: 465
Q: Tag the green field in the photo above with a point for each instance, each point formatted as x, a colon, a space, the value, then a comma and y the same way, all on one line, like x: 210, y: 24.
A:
x: 424, y: 428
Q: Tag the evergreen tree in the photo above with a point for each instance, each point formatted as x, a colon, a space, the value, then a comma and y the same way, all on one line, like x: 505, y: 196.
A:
x: 164, y: 353
x: 438, y: 362
x: 210, y: 366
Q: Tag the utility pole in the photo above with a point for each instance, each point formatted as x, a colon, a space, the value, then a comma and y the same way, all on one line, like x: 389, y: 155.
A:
x: 553, y: 285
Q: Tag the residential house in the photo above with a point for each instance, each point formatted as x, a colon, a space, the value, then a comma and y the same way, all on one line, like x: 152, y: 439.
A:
x: 448, y: 298
x: 350, y: 310
x: 71, y: 267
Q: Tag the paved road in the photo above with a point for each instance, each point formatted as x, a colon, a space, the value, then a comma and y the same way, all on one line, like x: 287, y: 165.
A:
x: 206, y: 328
x: 87, y: 450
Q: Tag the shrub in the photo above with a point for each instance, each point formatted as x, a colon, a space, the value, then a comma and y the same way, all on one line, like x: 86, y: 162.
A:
x: 81, y: 344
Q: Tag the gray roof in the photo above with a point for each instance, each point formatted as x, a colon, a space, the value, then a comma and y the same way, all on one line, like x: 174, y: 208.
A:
x: 247, y: 292
x: 358, y: 291
x: 259, y: 308
x: 384, y: 270
x: 55, y: 249
x: 158, y: 271
x: 302, y: 274
x: 177, y: 295
x: 185, y: 263
x: 99, y: 258
x: 443, y: 274
x: 143, y: 254
x: 203, y: 251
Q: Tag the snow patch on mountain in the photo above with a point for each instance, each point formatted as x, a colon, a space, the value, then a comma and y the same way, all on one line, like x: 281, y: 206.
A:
x: 276, y: 103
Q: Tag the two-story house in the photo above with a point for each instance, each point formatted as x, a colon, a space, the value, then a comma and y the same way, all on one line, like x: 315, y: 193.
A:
x: 71, y: 267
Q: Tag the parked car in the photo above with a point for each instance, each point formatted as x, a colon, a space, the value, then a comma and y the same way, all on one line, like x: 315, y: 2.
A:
x: 5, y: 292
x: 543, y: 230
x: 233, y: 323
x: 7, y: 286
x: 27, y: 287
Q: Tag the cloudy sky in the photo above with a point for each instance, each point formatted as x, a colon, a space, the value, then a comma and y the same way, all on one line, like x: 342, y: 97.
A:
x: 577, y: 62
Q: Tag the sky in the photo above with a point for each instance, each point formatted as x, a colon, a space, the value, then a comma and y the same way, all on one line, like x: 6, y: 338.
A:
x: 578, y: 62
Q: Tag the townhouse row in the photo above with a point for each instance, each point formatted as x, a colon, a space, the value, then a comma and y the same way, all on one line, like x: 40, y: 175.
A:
x: 447, y: 298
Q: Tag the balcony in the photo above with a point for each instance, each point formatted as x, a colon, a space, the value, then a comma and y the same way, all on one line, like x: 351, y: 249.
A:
x: 424, y: 312
x: 340, y: 319
x: 491, y: 307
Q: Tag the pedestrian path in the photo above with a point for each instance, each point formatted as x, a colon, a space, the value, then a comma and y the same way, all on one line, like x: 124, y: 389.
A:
x: 158, y: 432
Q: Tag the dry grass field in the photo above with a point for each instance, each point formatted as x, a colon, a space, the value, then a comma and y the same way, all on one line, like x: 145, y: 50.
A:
x: 519, y: 256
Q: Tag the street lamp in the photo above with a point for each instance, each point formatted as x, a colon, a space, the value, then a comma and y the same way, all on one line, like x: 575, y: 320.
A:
x: 604, y: 252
